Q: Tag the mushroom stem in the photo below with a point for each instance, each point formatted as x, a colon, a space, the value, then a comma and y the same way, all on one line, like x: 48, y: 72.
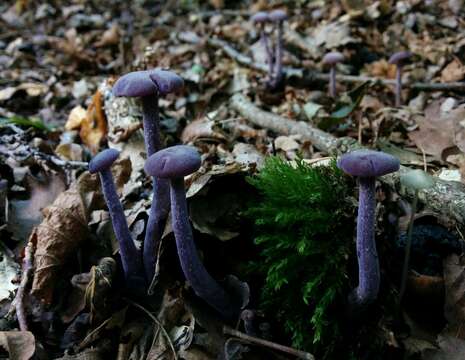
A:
x: 151, y: 118
x: 278, y: 76
x: 202, y: 283
x: 160, y: 204
x: 130, y: 256
x: 408, y: 246
x: 332, y: 81
x: 368, y: 265
x: 398, y: 85
x: 269, y: 52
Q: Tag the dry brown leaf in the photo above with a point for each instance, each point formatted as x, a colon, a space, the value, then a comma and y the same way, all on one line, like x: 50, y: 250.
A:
x: 20, y: 345
x: 64, y: 227
x: 454, y: 71
x: 94, y: 127
x: 438, y: 131
x: 110, y: 36
x: 202, y: 129
x: 381, y: 68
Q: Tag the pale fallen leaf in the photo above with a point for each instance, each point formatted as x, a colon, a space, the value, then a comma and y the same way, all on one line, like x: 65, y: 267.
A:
x: 286, y: 143
x: 450, y: 348
x: 9, y: 270
x: 20, y: 345
x: 454, y: 71
x: 76, y: 117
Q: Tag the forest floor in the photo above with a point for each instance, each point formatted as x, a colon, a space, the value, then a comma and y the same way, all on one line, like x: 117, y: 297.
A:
x: 62, y: 292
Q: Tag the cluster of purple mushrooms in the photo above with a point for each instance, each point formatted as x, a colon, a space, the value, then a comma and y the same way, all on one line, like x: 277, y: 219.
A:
x: 169, y: 166
x: 274, y: 55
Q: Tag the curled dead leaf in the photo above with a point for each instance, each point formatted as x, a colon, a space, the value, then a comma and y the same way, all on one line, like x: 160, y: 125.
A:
x: 94, y: 127
x: 64, y: 227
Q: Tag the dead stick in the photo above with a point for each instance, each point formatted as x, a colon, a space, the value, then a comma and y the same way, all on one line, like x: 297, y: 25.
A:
x: 446, y: 197
x: 254, y: 340
x: 313, y: 76
x: 28, y: 269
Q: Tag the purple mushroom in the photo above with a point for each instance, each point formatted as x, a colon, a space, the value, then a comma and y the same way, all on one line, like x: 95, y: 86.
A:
x: 130, y: 257
x: 399, y: 59
x: 260, y: 19
x: 332, y: 59
x: 174, y: 163
x: 149, y: 85
x: 278, y: 17
x: 367, y: 165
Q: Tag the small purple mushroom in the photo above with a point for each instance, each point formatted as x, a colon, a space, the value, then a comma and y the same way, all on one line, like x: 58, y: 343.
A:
x: 399, y: 59
x: 278, y: 17
x: 130, y: 257
x: 260, y: 19
x: 367, y: 165
x: 149, y: 85
x: 174, y: 163
x: 332, y: 59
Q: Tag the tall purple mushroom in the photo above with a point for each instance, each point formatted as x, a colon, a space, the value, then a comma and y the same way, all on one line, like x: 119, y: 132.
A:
x: 278, y: 17
x: 367, y: 165
x: 399, y: 59
x: 331, y: 59
x: 174, y: 163
x: 149, y: 85
x: 260, y: 19
x: 131, y: 258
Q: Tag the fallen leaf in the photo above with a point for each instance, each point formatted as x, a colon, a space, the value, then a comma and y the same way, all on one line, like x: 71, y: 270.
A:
x: 454, y: 71
x: 64, y: 227
x: 202, y: 129
x: 286, y: 143
x: 9, y: 271
x: 76, y: 117
x: 20, y: 345
x: 454, y: 282
x: 450, y: 348
x: 94, y: 127
x: 438, y: 131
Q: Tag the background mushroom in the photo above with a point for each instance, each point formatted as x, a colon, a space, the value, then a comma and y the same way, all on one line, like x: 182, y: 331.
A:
x: 331, y: 59
x: 399, y: 59
x: 366, y: 165
x: 278, y: 17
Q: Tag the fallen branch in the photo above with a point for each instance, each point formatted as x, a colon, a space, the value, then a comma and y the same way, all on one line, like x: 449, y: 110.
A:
x: 257, y: 341
x: 446, y: 197
x: 312, y: 76
x: 18, y: 304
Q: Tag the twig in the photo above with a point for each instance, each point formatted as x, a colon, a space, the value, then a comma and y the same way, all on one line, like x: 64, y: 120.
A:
x: 254, y: 340
x: 28, y: 269
x: 155, y: 319
x: 445, y: 197
x: 313, y: 76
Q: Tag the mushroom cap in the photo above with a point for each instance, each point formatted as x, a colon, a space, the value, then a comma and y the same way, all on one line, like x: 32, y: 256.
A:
x: 103, y: 160
x: 135, y: 84
x: 399, y: 58
x: 173, y: 162
x: 368, y: 163
x: 260, y: 17
x: 417, y: 179
x: 166, y: 81
x: 333, y: 58
x: 278, y: 15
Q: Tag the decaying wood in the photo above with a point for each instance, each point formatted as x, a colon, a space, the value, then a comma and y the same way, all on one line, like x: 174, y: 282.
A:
x: 446, y: 197
x: 309, y: 77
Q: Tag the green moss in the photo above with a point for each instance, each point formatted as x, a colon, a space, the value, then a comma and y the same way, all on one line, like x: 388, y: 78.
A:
x: 304, y: 225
